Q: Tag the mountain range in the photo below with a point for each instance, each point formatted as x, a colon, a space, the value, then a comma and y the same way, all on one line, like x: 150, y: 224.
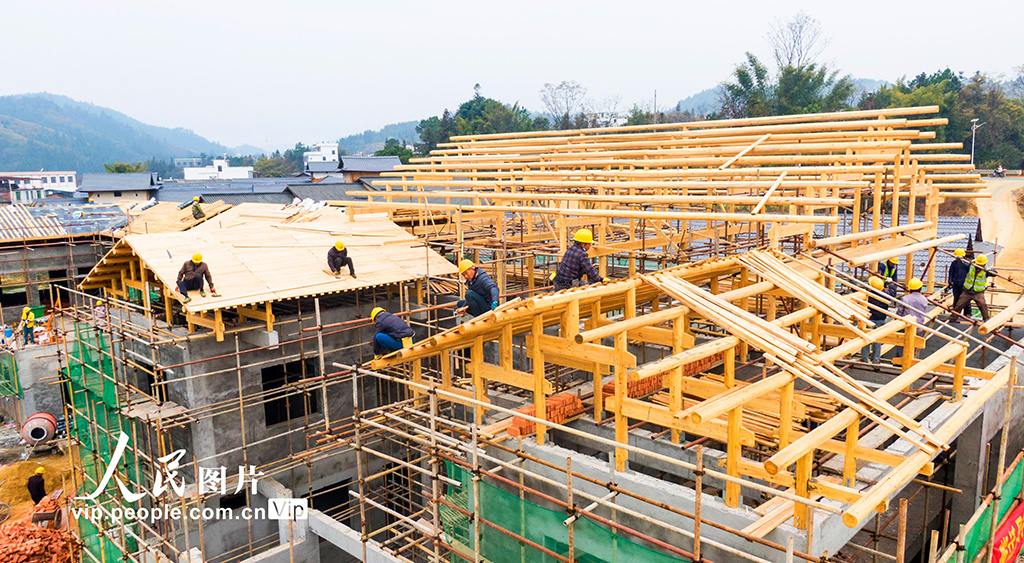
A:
x: 47, y: 131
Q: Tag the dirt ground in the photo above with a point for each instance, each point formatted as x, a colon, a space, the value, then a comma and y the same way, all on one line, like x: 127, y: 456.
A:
x: 16, y: 466
x: 1001, y: 223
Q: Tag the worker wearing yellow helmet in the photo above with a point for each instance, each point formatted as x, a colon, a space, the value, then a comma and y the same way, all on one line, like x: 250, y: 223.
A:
x: 337, y: 257
x: 889, y: 269
x: 880, y: 297
x: 390, y: 332
x: 28, y: 325
x: 575, y: 263
x: 197, y: 210
x: 191, y: 276
x: 37, y: 485
x: 956, y: 274
x: 481, y: 291
x: 974, y: 288
x: 913, y: 305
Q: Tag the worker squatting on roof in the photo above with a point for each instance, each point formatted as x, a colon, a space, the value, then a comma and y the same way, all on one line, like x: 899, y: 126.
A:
x: 191, y: 275
x: 197, y: 210
x: 575, y: 263
x: 481, y: 291
x: 337, y: 257
x: 392, y: 332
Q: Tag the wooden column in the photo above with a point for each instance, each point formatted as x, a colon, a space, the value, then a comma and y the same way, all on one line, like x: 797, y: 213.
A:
x: 909, y: 336
x: 479, y: 383
x: 849, y: 459
x: 538, y: 376
x: 733, y: 448
x: 621, y: 422
x: 801, y: 512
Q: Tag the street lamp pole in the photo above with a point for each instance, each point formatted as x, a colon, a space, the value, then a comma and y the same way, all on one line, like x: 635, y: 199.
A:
x: 974, y: 130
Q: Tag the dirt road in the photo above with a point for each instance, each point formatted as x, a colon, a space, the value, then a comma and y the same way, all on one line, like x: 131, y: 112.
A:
x: 1002, y: 223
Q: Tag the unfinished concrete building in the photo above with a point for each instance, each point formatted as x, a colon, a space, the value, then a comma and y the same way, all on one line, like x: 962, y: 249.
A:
x: 705, y: 404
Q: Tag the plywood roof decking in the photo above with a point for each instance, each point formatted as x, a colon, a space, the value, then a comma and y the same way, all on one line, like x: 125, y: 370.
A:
x: 253, y: 214
x: 260, y: 263
x: 165, y: 217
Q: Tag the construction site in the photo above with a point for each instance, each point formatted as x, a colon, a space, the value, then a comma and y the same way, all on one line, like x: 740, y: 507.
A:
x: 732, y: 387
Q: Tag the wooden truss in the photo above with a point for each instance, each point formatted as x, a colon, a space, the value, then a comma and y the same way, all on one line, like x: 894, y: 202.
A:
x: 589, y: 329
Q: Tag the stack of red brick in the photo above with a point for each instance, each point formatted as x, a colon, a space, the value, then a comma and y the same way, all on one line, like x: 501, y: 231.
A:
x: 635, y: 387
x: 21, y: 542
x: 559, y: 408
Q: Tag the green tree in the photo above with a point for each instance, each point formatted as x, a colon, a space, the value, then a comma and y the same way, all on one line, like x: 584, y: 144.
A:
x: 811, y: 89
x: 434, y: 131
x: 392, y: 147
x: 639, y: 116
x: 752, y: 92
x: 125, y: 167
x: 275, y: 166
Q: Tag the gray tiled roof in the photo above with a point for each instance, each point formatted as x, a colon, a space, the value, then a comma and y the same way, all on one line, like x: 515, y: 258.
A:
x: 214, y: 190
x: 317, y: 166
x: 324, y: 192
x: 282, y: 198
x: 103, y: 182
x: 369, y: 163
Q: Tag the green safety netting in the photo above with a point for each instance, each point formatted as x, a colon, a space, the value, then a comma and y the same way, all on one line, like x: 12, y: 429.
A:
x: 980, y: 533
x: 10, y: 386
x: 591, y: 542
x: 96, y: 426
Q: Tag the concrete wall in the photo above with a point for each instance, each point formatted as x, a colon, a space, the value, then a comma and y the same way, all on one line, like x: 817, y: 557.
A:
x: 34, y: 364
x: 40, y: 258
x: 217, y: 440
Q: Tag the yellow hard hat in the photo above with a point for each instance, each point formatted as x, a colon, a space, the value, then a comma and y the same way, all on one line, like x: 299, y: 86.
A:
x: 584, y: 236
x: 376, y: 311
x: 465, y: 264
x: 195, y: 198
x: 895, y: 259
x: 981, y: 260
x: 197, y: 258
x: 960, y: 252
x: 338, y: 245
x: 876, y: 282
x: 40, y: 470
x: 25, y: 310
x: 914, y: 284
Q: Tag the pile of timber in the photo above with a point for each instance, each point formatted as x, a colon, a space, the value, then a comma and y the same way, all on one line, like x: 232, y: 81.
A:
x: 799, y: 358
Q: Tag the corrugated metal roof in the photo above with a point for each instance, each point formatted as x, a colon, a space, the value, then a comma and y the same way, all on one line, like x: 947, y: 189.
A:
x: 57, y: 220
x: 104, y: 182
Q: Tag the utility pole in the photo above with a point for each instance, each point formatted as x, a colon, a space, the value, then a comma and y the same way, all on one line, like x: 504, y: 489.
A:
x: 974, y: 131
x: 656, y: 106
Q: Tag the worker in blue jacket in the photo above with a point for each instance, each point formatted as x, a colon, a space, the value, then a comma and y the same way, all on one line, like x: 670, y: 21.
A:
x: 391, y: 334
x: 481, y: 291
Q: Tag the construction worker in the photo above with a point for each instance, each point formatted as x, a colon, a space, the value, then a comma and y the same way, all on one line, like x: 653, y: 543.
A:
x: 974, y: 287
x: 391, y: 334
x: 191, y: 275
x: 37, y: 485
x: 197, y: 210
x: 956, y: 275
x: 890, y: 269
x: 913, y: 303
x: 575, y: 263
x: 99, y: 314
x: 873, y: 352
x: 337, y: 257
x: 481, y: 291
x: 28, y: 325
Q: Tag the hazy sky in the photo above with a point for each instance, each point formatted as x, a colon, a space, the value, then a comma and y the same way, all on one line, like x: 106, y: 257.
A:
x: 273, y: 73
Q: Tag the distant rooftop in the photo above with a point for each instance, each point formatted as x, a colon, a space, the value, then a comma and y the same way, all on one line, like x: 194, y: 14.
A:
x: 105, y: 182
x: 356, y: 164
